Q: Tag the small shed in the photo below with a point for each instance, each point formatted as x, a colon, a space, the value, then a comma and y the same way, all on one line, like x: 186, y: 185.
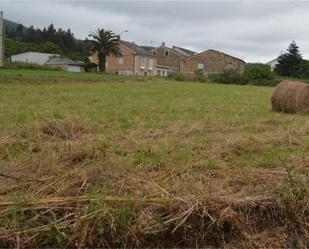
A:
x: 65, y: 64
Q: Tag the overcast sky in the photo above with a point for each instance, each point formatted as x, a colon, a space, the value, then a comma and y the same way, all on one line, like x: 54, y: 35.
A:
x: 256, y: 31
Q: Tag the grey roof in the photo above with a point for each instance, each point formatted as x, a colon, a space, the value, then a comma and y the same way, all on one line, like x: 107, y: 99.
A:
x: 148, y: 48
x: 186, y: 51
x: 274, y: 60
x: 136, y: 49
x: 62, y: 61
x: 178, y: 50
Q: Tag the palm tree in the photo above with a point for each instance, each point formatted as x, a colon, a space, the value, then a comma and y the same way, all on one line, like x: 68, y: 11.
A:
x: 104, y: 43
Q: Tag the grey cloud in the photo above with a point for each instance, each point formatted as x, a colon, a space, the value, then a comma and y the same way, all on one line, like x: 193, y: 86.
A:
x: 252, y: 30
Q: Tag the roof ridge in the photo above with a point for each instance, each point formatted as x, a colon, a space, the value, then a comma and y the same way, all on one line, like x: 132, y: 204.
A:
x: 214, y: 51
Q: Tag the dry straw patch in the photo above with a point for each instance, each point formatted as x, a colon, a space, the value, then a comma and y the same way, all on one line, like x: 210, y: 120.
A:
x: 50, y: 127
x: 75, y: 189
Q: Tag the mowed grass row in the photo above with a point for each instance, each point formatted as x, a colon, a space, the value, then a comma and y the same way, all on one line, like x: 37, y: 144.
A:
x: 205, y: 145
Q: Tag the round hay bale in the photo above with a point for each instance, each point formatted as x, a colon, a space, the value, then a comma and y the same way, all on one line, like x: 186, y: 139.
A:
x: 291, y: 97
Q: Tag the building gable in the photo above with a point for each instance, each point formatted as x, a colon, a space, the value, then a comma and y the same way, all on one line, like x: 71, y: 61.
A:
x: 211, y: 62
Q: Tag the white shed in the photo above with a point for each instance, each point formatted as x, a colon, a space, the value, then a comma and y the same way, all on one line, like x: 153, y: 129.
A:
x: 33, y: 57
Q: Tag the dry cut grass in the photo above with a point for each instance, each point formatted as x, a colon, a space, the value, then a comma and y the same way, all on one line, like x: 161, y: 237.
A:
x: 156, y: 164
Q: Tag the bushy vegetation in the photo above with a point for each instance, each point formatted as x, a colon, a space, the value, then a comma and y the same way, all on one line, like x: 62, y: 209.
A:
x: 255, y: 74
x: 304, y: 69
x: 15, y: 47
x: 259, y: 74
x: 23, y: 65
x: 228, y: 77
x: 178, y: 76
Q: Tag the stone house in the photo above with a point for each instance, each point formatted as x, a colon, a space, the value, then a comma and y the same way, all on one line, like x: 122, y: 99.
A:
x: 168, y: 59
x: 211, y: 62
x: 134, y: 60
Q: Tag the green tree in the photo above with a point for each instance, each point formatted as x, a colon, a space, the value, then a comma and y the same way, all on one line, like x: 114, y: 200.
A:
x: 104, y: 43
x: 259, y: 74
x: 49, y: 47
x: 289, y: 63
x: 29, y: 34
x: 304, y: 69
x: 19, y: 32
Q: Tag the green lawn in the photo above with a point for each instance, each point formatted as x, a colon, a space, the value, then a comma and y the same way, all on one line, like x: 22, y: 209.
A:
x: 147, y: 139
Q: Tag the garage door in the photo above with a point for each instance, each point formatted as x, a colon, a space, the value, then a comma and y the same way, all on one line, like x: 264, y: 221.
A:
x: 74, y: 68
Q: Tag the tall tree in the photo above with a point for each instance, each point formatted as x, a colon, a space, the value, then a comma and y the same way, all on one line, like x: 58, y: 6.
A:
x: 289, y: 63
x: 19, y: 32
x: 29, y: 34
x: 104, y: 43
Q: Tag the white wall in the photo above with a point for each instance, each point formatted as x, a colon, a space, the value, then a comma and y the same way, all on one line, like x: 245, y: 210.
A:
x: 73, y: 68
x: 32, y: 57
x: 272, y: 64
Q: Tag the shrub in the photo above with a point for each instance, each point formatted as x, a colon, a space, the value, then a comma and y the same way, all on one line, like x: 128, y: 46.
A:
x: 90, y: 67
x: 304, y: 69
x: 228, y: 77
x: 255, y: 74
x: 176, y: 75
x: 259, y: 74
x: 200, y: 77
x: 23, y: 65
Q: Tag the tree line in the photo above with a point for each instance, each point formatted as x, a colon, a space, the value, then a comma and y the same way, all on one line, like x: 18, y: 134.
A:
x: 49, y: 40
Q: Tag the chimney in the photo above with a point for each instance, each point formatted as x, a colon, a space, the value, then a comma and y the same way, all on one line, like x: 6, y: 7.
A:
x: 163, y: 44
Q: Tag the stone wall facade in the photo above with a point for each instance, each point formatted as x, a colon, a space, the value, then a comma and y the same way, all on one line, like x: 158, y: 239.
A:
x: 211, y: 62
x: 167, y: 57
x: 129, y: 63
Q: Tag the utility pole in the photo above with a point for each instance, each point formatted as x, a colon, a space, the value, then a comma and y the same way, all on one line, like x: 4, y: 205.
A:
x: 1, y: 39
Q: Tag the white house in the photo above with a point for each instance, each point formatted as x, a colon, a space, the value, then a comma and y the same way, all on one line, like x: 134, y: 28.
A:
x: 33, y: 57
x: 272, y: 63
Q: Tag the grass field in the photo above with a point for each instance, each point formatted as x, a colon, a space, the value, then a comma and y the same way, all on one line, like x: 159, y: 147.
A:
x: 105, y: 161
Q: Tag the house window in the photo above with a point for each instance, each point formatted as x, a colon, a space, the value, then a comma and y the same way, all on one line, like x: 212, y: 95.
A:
x: 143, y: 62
x: 154, y: 52
x: 150, y: 64
x: 119, y: 60
x: 200, y: 66
x: 166, y: 53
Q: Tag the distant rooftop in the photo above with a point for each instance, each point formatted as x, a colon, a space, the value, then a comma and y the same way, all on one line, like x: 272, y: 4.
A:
x: 187, y: 51
x: 62, y: 61
x: 136, y: 48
